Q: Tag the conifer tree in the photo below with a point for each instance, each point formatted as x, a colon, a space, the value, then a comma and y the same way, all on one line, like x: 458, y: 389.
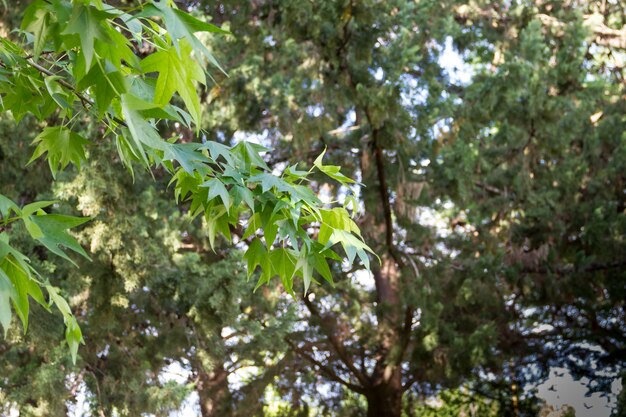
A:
x: 494, y: 195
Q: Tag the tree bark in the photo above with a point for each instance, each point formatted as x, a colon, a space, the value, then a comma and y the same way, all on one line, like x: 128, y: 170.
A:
x: 384, y: 394
x: 384, y: 401
x: 213, y: 392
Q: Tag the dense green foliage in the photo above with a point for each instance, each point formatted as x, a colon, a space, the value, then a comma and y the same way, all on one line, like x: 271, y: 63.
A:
x: 494, y: 199
x: 80, y: 65
x: 153, y: 282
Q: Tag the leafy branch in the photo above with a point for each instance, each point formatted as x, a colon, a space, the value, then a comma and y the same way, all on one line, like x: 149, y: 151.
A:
x: 101, y: 65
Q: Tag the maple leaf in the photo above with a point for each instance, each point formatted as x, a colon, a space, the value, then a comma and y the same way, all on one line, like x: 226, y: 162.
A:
x: 176, y: 74
x: 62, y: 145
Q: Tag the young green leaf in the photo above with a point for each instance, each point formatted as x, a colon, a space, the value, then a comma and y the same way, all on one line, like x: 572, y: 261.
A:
x: 73, y: 336
x: 141, y: 131
x: 176, y: 74
x: 332, y: 170
x: 217, y: 150
x: 254, y: 224
x: 250, y: 155
x: 305, y: 269
x: 60, y: 96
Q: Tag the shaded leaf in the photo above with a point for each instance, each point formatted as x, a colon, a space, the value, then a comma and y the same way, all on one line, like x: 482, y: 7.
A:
x: 62, y: 146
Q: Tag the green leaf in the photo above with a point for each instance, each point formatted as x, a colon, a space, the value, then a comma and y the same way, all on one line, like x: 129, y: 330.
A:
x: 142, y: 132
x: 55, y: 237
x: 127, y: 153
x: 106, y: 84
x: 20, y: 296
x: 243, y: 194
x: 73, y: 336
x: 7, y: 206
x: 186, y: 184
x: 249, y: 153
x: 132, y: 23
x: 256, y: 255
x: 85, y: 23
x: 59, y: 301
x: 305, y: 269
x: 254, y: 224
x: 217, y: 188
x: 31, y: 208
x: 350, y: 200
x: 176, y: 74
x: 194, y: 25
x: 181, y: 25
x: 24, y: 286
x: 234, y: 173
x: 352, y: 245
x: 37, y: 20
x: 57, y: 93
x: 116, y: 52
x: 284, y: 265
x: 188, y: 156
x: 23, y: 95
x: 269, y: 181
x: 270, y: 228
x: 336, y: 218
x: 32, y: 228
x: 332, y: 170
x: 321, y: 266
x: 217, y: 221
x: 6, y: 249
x: 141, y: 98
x: 62, y: 145
x: 337, y: 227
x: 217, y: 149
x: 7, y: 293
x: 292, y: 171
x: 305, y: 194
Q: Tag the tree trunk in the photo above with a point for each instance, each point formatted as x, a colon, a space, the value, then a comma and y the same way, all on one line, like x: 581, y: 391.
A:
x: 384, y: 401
x: 213, y: 392
x: 384, y: 396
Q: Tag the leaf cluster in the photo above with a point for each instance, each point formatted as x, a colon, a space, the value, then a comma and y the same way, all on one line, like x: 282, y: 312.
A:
x: 19, y: 281
x: 129, y: 69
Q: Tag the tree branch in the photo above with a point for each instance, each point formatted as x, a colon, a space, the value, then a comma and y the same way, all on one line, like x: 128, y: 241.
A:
x: 85, y: 100
x: 328, y: 326
x: 327, y: 370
